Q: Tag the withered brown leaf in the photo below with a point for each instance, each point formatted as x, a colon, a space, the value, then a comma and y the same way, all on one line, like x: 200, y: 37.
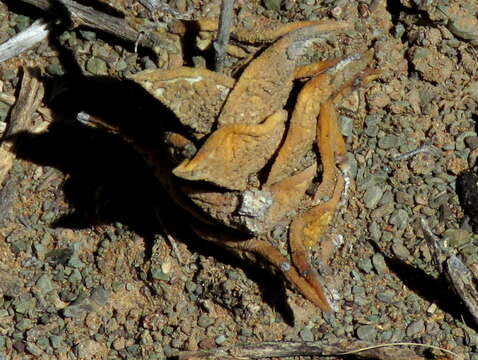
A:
x: 195, y: 95
x: 235, y: 151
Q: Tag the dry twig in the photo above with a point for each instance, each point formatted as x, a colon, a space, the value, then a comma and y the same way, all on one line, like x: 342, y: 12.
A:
x: 159, y: 6
x: 457, y: 273
x: 362, y: 350
x: 24, y: 40
x: 28, y: 101
x: 225, y: 22
x: 422, y: 149
x: 81, y: 15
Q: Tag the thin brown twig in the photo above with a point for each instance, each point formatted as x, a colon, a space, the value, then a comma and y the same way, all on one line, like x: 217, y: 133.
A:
x: 81, y: 15
x: 224, y: 33
x: 459, y: 276
x: 361, y: 350
x: 28, y: 101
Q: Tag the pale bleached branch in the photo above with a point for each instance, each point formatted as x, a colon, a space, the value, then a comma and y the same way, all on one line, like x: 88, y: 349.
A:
x: 24, y: 40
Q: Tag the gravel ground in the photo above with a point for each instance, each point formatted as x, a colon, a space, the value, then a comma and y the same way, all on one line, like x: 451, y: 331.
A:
x: 86, y: 270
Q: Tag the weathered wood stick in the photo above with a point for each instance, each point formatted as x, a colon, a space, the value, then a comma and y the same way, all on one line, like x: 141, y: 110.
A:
x: 24, y: 40
x: 296, y: 348
x: 459, y: 276
x: 81, y: 15
x: 225, y: 23
x: 28, y: 101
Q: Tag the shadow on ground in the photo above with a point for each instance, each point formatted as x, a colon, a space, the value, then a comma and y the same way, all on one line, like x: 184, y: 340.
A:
x: 106, y: 180
x: 433, y: 290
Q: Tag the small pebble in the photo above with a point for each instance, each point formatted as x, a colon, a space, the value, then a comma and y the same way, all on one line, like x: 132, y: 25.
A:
x: 190, y: 286
x: 88, y: 349
x: 397, y: 335
x: 346, y: 125
x: 426, y: 62
x: 24, y: 324
x: 374, y: 230
x: 404, y: 198
x: 372, y: 196
x: 148, y: 63
x: 121, y: 65
x: 438, y: 201
x: 471, y: 142
x: 400, y: 250
x: 399, y: 30
x: 306, y: 334
x: 386, y: 335
x: 358, y: 290
x: 54, y: 69
x: 460, y: 142
x: 379, y: 264
x: 399, y: 218
x: 387, y: 296
x: 130, y: 287
x: 233, y: 275
x: 100, y: 295
x: 56, y: 341
x: 432, y: 308
x: 207, y: 343
x: 97, y: 66
x: 88, y: 35
x: 74, y: 311
x: 456, y: 238
x: 21, y: 22
x: 158, y: 274
x: 366, y: 332
x: 274, y: 5
x: 24, y: 304
x: 75, y: 276
x: 415, y: 328
x: 45, y: 284
x: 221, y: 339
x: 365, y: 265
x: 205, y: 321
x: 34, y: 349
x: 388, y: 142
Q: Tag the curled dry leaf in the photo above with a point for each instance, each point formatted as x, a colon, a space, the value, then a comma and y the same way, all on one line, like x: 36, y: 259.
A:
x: 265, y: 84
x: 227, y: 181
x: 194, y: 95
x: 235, y: 151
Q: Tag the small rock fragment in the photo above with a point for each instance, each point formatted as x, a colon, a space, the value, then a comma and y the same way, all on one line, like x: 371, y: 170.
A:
x: 372, y: 196
x: 366, y: 332
x: 388, y: 142
x: 205, y: 321
x: 97, y: 66
x: 221, y: 339
x: 399, y: 218
x: 400, y: 250
x: 306, y: 334
x: 365, y: 265
x: 415, y: 328
x: 431, y: 64
x: 379, y: 264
